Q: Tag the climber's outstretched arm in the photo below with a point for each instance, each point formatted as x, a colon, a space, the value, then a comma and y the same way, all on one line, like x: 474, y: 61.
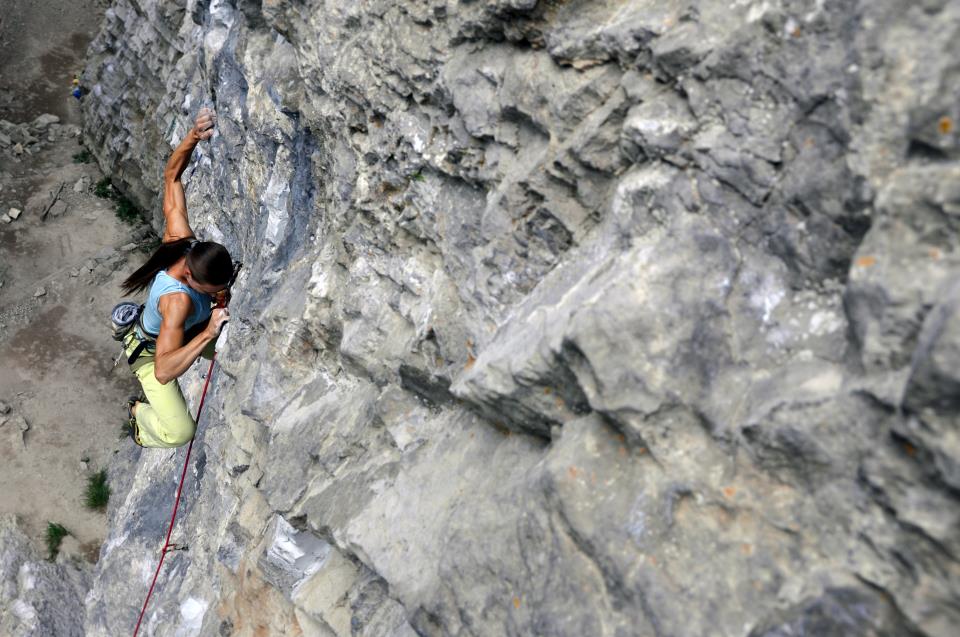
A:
x: 174, y: 202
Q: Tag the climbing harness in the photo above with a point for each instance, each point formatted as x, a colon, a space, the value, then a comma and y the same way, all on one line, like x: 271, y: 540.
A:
x: 167, y: 546
x: 123, y: 318
x: 124, y: 326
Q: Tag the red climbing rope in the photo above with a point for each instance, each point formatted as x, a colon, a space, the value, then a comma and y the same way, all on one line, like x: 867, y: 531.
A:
x: 176, y: 504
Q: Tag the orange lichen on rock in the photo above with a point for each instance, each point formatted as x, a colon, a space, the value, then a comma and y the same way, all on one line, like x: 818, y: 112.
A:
x: 945, y: 125
x: 866, y: 262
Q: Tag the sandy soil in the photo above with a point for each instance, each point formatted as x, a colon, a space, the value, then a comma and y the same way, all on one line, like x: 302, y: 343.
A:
x: 56, y: 368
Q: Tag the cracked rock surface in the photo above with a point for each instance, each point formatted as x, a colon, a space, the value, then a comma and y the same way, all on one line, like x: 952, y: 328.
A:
x: 38, y: 597
x: 581, y: 318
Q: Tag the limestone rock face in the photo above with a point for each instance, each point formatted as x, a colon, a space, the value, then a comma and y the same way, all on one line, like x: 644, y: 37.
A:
x: 38, y: 597
x: 556, y: 318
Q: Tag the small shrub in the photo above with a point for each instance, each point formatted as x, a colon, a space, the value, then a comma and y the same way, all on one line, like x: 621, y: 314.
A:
x: 98, y: 491
x: 417, y: 176
x: 126, y: 210
x: 103, y: 189
x: 55, y: 535
x: 83, y: 157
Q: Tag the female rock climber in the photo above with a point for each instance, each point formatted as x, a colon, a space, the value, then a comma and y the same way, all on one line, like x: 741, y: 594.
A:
x: 177, y: 324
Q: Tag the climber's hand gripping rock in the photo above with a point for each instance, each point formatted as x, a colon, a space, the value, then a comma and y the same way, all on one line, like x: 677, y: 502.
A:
x: 203, y: 126
x: 218, y: 317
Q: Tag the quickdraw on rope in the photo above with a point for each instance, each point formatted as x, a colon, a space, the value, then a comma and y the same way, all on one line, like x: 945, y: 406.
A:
x: 167, y: 546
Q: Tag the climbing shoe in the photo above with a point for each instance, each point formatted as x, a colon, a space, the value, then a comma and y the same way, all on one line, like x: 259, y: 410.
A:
x: 130, y: 427
x: 129, y: 430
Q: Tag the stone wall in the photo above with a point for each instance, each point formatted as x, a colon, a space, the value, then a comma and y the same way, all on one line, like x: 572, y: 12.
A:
x: 556, y: 318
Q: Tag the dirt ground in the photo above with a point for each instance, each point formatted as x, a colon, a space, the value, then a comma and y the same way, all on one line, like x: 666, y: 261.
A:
x: 60, y: 279
x: 42, y: 45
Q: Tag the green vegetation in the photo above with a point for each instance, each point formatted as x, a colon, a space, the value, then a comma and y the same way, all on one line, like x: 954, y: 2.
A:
x: 103, y: 189
x: 98, y: 491
x: 55, y: 535
x: 417, y: 176
x: 83, y: 157
x: 126, y: 210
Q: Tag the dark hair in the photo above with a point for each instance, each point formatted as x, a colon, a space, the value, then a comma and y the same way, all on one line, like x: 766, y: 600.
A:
x: 209, y: 264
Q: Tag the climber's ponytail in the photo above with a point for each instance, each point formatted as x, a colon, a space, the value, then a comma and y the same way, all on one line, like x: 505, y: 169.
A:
x: 164, y: 256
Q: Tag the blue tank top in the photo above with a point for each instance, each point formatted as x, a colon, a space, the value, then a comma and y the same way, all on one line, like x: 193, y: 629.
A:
x: 163, y: 284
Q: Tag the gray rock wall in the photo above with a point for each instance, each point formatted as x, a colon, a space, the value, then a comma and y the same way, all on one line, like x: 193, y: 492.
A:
x: 39, y: 597
x: 557, y: 318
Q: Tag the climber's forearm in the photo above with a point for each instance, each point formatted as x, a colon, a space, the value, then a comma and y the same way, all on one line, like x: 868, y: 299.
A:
x: 181, y: 156
x: 172, y: 364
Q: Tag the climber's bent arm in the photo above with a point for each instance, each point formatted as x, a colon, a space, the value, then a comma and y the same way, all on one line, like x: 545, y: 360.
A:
x: 173, y: 358
x: 174, y: 203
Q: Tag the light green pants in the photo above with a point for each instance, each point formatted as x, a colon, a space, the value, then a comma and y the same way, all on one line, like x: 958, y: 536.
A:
x: 164, y: 420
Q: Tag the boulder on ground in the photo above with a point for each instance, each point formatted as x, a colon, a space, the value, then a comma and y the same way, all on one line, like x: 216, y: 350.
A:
x: 45, y: 120
x: 82, y: 184
x: 58, y: 208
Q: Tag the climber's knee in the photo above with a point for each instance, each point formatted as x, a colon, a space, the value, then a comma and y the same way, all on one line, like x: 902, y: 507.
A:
x: 177, y: 432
